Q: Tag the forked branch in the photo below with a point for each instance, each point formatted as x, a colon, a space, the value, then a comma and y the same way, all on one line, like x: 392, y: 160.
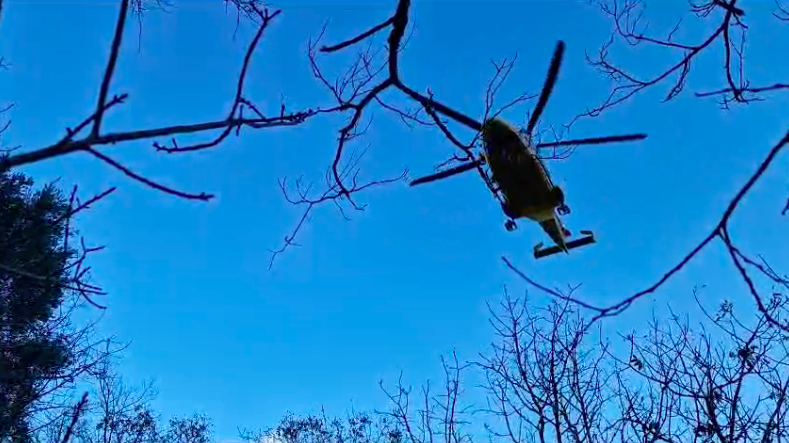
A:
x: 363, y: 85
x: 628, y: 15
x: 370, y: 91
x: 331, y: 193
x: 97, y: 138
x: 720, y: 232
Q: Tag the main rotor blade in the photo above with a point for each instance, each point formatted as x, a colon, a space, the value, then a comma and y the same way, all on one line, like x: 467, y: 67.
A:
x: 550, y: 81
x: 594, y: 140
x: 448, y: 173
x: 457, y: 116
x: 429, y: 102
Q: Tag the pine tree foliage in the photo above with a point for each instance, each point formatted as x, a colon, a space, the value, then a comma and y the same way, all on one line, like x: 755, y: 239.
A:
x: 35, y: 349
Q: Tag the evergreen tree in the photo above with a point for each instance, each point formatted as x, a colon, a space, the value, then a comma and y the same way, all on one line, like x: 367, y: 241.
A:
x: 34, y: 272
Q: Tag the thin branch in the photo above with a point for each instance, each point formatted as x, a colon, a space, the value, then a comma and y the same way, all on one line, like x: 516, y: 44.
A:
x: 70, y: 144
x: 720, y: 231
x: 129, y: 173
x: 627, y: 19
x: 358, y: 38
x: 108, y: 73
x: 331, y: 193
x: 77, y: 413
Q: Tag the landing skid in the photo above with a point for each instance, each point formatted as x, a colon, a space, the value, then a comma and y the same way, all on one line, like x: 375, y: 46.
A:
x: 545, y: 252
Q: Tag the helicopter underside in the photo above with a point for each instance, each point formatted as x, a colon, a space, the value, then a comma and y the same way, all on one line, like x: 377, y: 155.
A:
x: 519, y: 176
x: 534, y: 213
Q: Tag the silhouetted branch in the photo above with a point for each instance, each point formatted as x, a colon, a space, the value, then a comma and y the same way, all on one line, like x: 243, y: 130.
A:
x: 678, y: 384
x: 440, y: 415
x: 743, y: 91
x: 782, y: 12
x: 331, y: 193
x: 360, y: 86
x: 358, y: 100
x: 77, y: 413
x: 358, y: 38
x: 720, y: 231
x: 96, y: 138
x: 129, y: 173
x: 627, y: 16
x: 542, y: 384
x: 366, y: 80
x: 108, y: 73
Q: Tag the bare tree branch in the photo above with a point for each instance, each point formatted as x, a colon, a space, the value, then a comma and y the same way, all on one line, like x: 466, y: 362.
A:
x: 720, y: 231
x: 359, y: 98
x: 70, y: 143
x: 679, y: 384
x: 441, y: 416
x: 543, y: 384
x: 77, y: 413
x: 627, y: 16
x: 363, y: 84
x: 331, y: 193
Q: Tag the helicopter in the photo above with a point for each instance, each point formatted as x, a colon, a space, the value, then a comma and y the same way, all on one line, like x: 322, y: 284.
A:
x: 518, y: 177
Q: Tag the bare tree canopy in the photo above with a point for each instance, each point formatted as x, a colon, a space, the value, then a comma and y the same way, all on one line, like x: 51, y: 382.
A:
x: 720, y: 378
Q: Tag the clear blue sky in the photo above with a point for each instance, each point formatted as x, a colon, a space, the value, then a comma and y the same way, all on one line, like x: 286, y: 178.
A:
x: 407, y: 279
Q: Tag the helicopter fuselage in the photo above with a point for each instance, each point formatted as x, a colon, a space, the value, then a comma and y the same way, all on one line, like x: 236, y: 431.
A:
x: 523, y: 181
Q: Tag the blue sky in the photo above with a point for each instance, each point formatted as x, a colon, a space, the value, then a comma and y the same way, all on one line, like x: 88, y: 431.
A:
x: 408, y: 278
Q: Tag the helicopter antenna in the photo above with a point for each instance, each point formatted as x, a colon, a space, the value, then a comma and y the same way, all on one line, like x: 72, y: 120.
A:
x: 550, y: 82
